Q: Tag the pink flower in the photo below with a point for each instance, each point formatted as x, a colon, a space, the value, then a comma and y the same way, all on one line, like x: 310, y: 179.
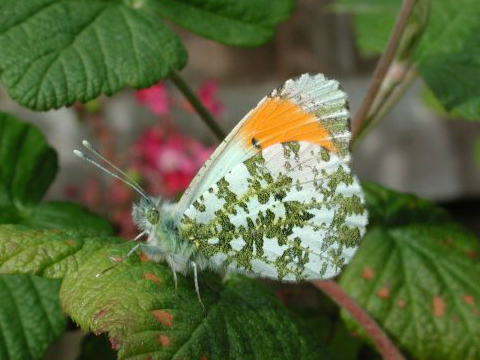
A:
x: 169, y: 162
x: 155, y: 98
x: 208, y: 95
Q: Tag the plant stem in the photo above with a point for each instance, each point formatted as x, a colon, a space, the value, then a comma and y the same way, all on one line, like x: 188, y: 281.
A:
x: 361, y: 120
x: 378, y: 336
x: 187, y: 91
x: 390, y: 100
x: 396, y: 94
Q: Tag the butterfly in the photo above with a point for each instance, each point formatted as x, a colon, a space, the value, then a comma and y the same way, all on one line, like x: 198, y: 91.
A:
x: 277, y: 199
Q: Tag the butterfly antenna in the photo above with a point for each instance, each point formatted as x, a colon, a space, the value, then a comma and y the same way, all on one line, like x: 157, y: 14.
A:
x: 93, y: 162
x: 125, y: 179
x: 90, y: 147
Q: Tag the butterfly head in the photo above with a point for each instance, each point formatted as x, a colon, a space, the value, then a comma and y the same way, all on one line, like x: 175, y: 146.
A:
x: 145, y: 214
x: 152, y: 215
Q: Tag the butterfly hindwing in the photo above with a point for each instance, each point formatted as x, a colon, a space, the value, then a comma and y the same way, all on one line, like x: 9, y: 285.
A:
x: 292, y: 211
x: 309, y: 108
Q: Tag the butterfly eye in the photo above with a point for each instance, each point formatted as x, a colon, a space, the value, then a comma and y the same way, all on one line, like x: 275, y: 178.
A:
x: 152, y: 216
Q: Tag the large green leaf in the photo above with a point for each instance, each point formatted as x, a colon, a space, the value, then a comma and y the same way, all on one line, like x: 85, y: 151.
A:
x: 48, y: 253
x: 27, y: 164
x: 57, y: 51
x: 135, y: 302
x: 27, y: 167
x: 449, y: 56
x: 416, y: 273
x: 238, y: 23
x: 373, y: 22
x: 30, y: 316
x: 30, y: 312
x: 54, y: 52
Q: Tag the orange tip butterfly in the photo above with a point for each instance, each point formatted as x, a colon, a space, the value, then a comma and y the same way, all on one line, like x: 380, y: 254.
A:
x: 277, y: 199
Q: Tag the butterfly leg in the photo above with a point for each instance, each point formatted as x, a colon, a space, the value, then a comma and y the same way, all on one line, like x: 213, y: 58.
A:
x: 138, y: 236
x: 119, y: 261
x: 175, y: 281
x: 134, y: 239
x: 131, y: 251
x: 197, y: 288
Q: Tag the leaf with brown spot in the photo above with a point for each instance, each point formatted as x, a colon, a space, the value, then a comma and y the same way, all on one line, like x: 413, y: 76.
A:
x: 100, y: 314
x: 439, y: 306
x: 241, y: 319
x: 405, y: 245
x: 163, y: 317
x: 143, y: 257
x: 472, y: 254
x: 383, y: 293
x: 151, y: 277
x: 368, y: 273
x: 164, y: 340
x: 469, y: 299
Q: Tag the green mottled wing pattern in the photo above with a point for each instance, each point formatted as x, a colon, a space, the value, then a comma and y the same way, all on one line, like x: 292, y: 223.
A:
x: 313, y: 93
x: 293, y: 211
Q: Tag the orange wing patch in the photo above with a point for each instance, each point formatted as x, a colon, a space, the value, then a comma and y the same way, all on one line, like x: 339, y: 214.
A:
x: 277, y: 120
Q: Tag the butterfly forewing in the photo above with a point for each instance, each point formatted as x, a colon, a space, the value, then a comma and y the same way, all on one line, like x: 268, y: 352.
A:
x: 292, y: 211
x: 309, y: 108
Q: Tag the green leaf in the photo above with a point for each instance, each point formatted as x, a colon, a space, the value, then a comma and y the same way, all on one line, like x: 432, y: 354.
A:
x: 49, y: 253
x: 416, y: 273
x: 449, y: 56
x: 136, y: 304
x: 373, y: 21
x: 30, y: 316
x: 454, y: 79
x: 237, y: 23
x: 55, y: 52
x: 30, y: 311
x: 64, y: 215
x: 27, y: 167
x: 36, y: 319
x: 27, y: 164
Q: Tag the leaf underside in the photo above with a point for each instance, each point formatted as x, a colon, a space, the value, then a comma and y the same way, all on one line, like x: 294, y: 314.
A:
x: 416, y: 273
x: 449, y: 56
x: 145, y: 318
x: 237, y: 23
x: 30, y: 316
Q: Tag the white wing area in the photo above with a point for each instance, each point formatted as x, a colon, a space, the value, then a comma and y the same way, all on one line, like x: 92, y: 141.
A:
x: 313, y: 93
x: 291, y: 212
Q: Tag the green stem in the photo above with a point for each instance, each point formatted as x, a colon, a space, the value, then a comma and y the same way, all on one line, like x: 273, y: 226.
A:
x: 390, y: 100
x: 192, y: 98
x: 362, y: 120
